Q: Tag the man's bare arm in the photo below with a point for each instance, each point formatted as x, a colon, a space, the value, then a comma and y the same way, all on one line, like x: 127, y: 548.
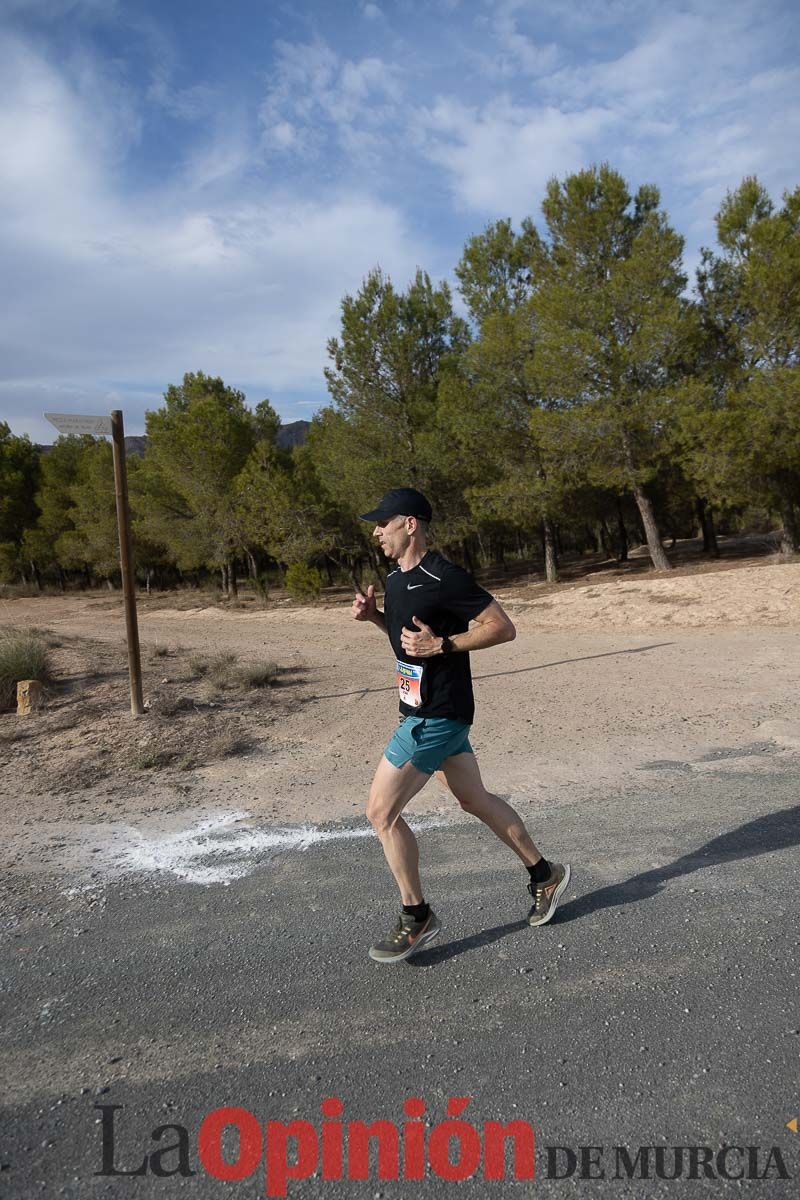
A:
x: 379, y: 620
x: 492, y: 627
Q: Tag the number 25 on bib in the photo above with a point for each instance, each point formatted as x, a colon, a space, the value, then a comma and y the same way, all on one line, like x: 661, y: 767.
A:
x: 409, y: 684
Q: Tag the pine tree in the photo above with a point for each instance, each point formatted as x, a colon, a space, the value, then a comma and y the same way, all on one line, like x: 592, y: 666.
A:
x: 92, y: 538
x: 490, y: 404
x: 19, y: 476
x: 199, y: 442
x: 749, y: 296
x: 382, y: 429
x: 611, y: 327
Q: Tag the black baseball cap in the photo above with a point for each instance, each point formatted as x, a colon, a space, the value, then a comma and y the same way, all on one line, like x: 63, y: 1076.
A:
x: 406, y: 502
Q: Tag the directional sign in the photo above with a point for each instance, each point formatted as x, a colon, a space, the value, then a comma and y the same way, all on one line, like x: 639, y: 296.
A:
x: 72, y: 423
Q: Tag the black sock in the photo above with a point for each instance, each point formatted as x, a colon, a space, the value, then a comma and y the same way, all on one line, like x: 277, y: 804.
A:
x: 539, y: 871
x: 418, y: 911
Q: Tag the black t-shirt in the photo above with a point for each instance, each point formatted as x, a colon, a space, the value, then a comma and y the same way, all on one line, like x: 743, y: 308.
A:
x: 446, y: 598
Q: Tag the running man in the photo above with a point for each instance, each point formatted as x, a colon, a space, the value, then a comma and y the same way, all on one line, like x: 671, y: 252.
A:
x: 428, y: 606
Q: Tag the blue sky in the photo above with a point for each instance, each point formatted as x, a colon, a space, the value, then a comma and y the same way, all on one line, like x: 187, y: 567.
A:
x: 194, y: 186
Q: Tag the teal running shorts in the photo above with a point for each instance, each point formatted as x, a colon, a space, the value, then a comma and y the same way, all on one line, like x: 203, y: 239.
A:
x: 427, y: 742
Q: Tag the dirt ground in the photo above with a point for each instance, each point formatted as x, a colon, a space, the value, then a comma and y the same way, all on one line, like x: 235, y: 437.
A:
x: 610, y: 683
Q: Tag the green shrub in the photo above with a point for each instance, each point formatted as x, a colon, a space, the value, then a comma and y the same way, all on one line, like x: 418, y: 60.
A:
x: 23, y: 655
x: 303, y: 582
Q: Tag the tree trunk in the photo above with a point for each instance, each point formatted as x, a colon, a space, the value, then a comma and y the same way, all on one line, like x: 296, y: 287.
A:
x: 646, y: 514
x: 550, y: 558
x: 233, y: 590
x: 706, y: 520
x: 379, y: 564
x: 605, y: 539
x: 252, y: 564
x: 329, y: 570
x: 712, y: 532
x: 790, y: 538
x: 62, y: 579
x: 658, y: 554
x: 467, y: 556
x: 37, y: 579
x: 224, y: 574
x: 622, y: 534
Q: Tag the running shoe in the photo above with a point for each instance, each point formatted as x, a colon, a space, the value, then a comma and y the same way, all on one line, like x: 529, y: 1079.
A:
x: 546, y: 895
x: 405, y: 939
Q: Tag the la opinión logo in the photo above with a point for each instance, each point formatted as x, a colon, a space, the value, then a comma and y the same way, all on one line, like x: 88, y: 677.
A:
x: 453, y: 1149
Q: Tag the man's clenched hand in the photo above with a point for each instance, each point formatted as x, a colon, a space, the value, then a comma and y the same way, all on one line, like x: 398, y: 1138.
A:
x: 365, y: 607
x: 421, y: 642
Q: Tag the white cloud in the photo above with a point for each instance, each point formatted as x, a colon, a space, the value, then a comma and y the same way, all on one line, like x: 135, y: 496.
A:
x: 106, y: 287
x: 235, y: 260
x: 512, y: 51
x: 500, y: 157
x: 692, y: 100
x: 318, y: 97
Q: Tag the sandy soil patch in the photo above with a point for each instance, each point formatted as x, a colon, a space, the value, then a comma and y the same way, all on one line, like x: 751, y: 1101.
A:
x: 743, y: 598
x: 624, y: 683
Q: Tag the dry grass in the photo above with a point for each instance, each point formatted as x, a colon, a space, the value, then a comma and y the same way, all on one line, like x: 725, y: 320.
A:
x: 224, y: 672
x: 168, y: 746
x: 200, y: 709
x: 23, y: 655
x: 157, y: 754
x: 675, y: 601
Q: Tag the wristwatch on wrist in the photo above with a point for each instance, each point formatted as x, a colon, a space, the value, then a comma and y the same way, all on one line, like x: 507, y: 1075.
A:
x: 447, y: 646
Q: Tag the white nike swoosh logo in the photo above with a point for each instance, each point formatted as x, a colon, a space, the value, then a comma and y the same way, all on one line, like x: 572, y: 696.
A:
x: 411, y: 586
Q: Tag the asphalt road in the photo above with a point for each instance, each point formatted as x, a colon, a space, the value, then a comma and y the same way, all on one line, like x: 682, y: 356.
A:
x: 659, y: 1009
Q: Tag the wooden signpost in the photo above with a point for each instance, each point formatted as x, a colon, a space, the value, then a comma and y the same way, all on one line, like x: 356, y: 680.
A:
x: 101, y: 426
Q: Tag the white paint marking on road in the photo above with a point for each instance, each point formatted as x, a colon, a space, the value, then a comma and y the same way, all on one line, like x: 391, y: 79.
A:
x: 194, y: 854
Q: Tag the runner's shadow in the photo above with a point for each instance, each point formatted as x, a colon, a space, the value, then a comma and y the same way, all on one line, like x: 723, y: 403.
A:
x: 777, y: 831
x: 476, y: 941
x: 564, y: 662
x: 561, y: 662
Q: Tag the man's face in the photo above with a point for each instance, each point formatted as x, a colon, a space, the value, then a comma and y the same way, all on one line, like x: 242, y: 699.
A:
x: 393, y: 535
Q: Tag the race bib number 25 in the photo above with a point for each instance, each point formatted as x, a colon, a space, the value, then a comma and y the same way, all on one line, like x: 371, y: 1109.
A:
x: 409, y: 684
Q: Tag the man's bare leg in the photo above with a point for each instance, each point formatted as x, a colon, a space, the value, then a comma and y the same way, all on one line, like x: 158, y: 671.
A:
x: 391, y: 790
x: 462, y: 776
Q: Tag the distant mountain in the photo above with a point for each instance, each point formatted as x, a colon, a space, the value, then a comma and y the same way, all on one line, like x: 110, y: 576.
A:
x: 293, y: 434
x: 134, y: 446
